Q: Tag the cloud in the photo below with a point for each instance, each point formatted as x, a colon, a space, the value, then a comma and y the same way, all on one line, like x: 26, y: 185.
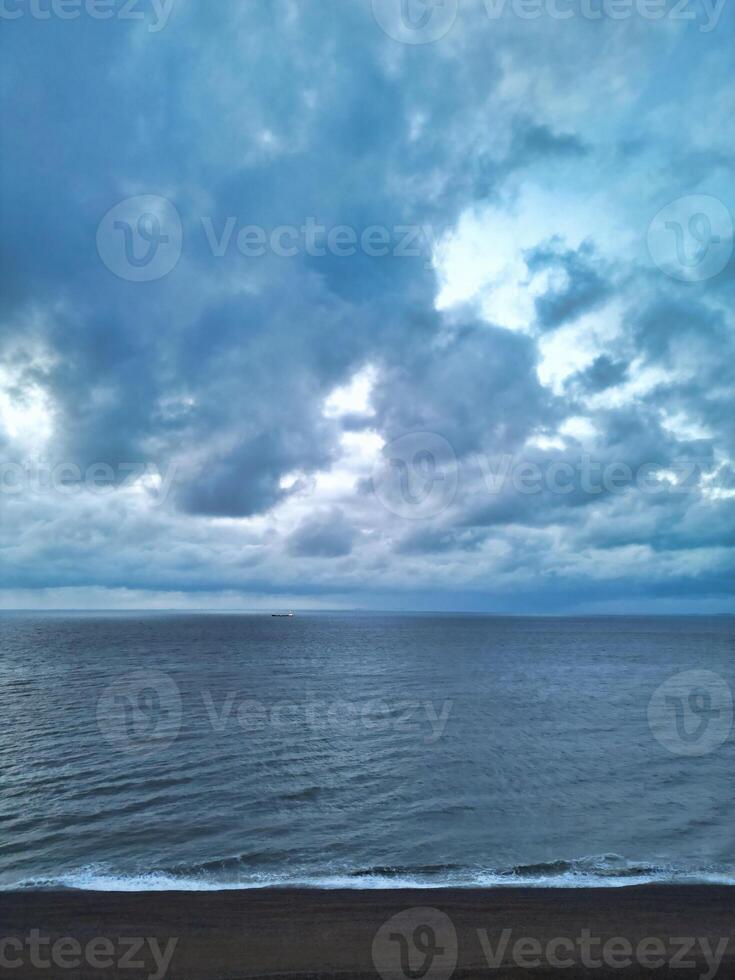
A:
x: 583, y: 286
x: 326, y: 535
x: 603, y: 373
x: 514, y: 311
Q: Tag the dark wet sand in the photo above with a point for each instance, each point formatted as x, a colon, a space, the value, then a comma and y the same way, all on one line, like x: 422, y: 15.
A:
x: 311, y: 933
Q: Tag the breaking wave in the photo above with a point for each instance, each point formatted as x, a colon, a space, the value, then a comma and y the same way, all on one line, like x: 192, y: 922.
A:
x: 608, y: 870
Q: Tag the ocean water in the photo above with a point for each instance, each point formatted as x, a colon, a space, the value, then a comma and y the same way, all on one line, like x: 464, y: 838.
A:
x: 222, y: 751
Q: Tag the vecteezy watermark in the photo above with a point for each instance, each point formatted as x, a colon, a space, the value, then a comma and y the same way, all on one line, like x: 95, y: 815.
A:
x: 422, y: 943
x: 142, y: 712
x: 424, y: 719
x: 416, y: 476
x: 691, y: 714
x: 40, y: 952
x: 316, y: 240
x: 37, y: 477
x: 595, y: 952
x: 691, y: 239
x: 587, y: 475
x: 155, y: 12
x: 426, y: 21
x: 415, y: 21
x: 140, y: 239
x: 417, y: 944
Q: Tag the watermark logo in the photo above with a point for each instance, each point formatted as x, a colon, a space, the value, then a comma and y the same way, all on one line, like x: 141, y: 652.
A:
x: 586, y: 952
x: 691, y: 239
x: 416, y: 476
x: 691, y: 714
x: 154, y: 13
x: 312, y: 238
x: 415, y: 21
x: 416, y: 944
x: 35, y: 952
x: 424, y: 21
x: 36, y: 476
x: 140, y: 239
x: 140, y: 713
x: 427, y: 720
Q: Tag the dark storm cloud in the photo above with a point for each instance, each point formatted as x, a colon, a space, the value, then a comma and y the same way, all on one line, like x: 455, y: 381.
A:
x: 603, y: 373
x: 669, y: 322
x: 253, y: 346
x: 586, y: 284
x: 326, y: 535
x: 476, y: 386
x: 533, y: 142
x: 438, y: 541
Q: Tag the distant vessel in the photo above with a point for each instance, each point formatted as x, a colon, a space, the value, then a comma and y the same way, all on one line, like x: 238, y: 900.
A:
x: 287, y: 615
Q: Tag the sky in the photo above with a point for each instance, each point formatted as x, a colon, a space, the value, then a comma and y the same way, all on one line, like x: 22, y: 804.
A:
x: 373, y: 304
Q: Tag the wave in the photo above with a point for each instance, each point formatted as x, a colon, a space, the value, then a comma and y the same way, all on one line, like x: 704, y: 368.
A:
x: 608, y: 870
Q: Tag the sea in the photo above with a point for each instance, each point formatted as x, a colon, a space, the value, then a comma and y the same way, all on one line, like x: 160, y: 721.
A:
x: 161, y: 751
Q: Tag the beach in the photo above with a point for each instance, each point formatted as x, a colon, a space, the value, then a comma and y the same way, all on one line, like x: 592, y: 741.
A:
x: 679, y: 930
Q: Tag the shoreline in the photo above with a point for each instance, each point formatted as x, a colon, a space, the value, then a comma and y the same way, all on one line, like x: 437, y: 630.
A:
x: 334, y: 933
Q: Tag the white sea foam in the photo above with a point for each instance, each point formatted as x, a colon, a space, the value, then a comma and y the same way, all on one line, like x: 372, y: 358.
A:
x: 97, y: 879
